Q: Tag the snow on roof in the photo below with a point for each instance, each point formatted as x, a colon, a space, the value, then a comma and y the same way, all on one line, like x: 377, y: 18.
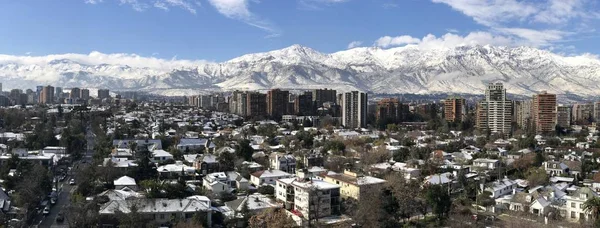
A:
x: 124, y: 180
x: 258, y: 201
x: 270, y: 173
x: 319, y: 184
x: 161, y: 153
x: 155, y: 206
x: 177, y: 167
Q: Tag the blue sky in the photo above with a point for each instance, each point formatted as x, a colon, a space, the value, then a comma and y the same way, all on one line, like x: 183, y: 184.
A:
x: 218, y: 30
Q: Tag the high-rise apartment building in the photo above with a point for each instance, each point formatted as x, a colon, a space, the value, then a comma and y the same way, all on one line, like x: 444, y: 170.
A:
x: 256, y: 104
x: 58, y: 93
x: 455, y: 109
x: 242, y: 104
x: 85, y: 94
x: 354, y: 109
x: 75, y: 93
x: 277, y: 102
x: 103, y: 93
x: 321, y: 96
x: 47, y: 95
x: 38, y: 92
x: 582, y: 113
x: 303, y: 104
x: 563, y: 116
x: 544, y: 112
x: 523, y: 114
x: 388, y: 109
x: 494, y: 113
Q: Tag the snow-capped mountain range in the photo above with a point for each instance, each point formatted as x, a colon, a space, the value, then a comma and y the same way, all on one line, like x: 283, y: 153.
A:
x: 409, y: 69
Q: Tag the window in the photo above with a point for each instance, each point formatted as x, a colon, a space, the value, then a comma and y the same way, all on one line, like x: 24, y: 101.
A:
x: 573, y: 205
x: 581, y: 206
x: 162, y: 216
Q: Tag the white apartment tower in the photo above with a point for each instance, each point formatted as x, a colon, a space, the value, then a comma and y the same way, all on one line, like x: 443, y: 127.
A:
x: 354, y: 109
x: 495, y: 111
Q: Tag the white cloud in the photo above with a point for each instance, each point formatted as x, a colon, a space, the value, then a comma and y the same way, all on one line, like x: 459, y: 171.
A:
x: 238, y: 10
x: 93, y: 2
x: 492, y: 12
x: 538, y: 38
x: 541, y: 23
x: 448, y: 40
x: 451, y: 30
x: 317, y: 4
x: 161, y: 5
x: 560, y: 11
x: 388, y: 41
x: 135, y: 4
x: 354, y: 44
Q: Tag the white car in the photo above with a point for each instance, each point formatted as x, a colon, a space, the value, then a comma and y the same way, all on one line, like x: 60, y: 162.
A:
x: 72, y: 182
x: 46, y: 210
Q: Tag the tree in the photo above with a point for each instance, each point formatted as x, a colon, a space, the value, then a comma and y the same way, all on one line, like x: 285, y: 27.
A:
x: 244, y: 150
x: 272, y: 218
x: 537, y: 176
x: 133, y: 219
x: 145, y: 168
x: 593, y: 206
x: 439, y: 200
x: 226, y: 161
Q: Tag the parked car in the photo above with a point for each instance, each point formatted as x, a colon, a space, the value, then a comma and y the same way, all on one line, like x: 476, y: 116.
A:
x: 72, y: 182
x: 46, y: 210
x: 60, y: 217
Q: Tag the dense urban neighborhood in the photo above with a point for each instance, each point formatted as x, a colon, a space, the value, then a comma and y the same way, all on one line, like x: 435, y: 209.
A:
x: 287, y: 158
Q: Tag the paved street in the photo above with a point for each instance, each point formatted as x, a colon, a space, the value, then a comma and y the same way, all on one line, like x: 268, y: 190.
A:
x: 65, y: 190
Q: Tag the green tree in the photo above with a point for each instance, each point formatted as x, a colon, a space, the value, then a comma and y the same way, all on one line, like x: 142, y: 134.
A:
x: 439, y: 200
x: 244, y: 150
x: 226, y: 161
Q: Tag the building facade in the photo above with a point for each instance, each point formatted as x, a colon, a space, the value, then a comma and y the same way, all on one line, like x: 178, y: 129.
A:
x: 582, y: 113
x: 455, y: 109
x: 47, y: 95
x: 388, y: 109
x: 354, y: 109
x: 277, y: 101
x: 494, y: 113
x: 321, y: 96
x: 256, y: 104
x: 103, y: 93
x: 563, y: 116
x: 544, y: 112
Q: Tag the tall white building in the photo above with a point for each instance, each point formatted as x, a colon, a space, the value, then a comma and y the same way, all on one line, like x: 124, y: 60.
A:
x: 312, y: 198
x: 354, y: 109
x: 495, y: 111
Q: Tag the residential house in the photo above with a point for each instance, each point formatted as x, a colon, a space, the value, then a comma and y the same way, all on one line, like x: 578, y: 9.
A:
x: 502, y: 187
x: 555, y: 168
x: 268, y: 177
x: 206, y: 163
x: 161, y: 211
x: 575, y: 203
x: 195, y: 144
x: 352, y: 184
x: 283, y: 162
x: 125, y: 182
x: 255, y: 203
x: 224, y: 182
x: 489, y: 164
x: 159, y: 156
x: 176, y: 170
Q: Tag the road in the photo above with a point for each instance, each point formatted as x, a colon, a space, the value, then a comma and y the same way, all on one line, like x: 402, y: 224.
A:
x: 65, y: 190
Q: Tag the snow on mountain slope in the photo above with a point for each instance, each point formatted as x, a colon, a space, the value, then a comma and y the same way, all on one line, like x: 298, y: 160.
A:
x: 408, y: 69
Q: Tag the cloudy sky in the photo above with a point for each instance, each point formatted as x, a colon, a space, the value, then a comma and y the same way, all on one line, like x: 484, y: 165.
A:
x: 218, y: 30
